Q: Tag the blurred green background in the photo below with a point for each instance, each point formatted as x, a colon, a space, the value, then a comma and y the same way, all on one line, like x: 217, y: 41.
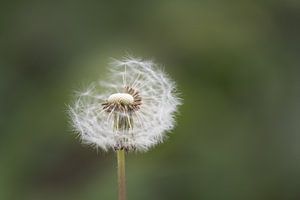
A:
x: 236, y: 64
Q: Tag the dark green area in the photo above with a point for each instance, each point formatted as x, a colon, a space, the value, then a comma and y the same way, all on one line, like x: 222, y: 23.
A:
x: 237, y: 66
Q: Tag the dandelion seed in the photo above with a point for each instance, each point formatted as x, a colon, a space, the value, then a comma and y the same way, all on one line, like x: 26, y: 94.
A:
x: 137, y: 117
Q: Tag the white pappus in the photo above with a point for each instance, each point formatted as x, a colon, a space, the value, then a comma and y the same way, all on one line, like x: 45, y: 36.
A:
x: 132, y: 110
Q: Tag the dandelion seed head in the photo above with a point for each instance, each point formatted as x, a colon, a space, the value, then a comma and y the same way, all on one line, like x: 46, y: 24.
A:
x: 133, y: 109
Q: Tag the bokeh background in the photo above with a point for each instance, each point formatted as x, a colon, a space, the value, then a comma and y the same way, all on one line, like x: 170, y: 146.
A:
x: 236, y: 64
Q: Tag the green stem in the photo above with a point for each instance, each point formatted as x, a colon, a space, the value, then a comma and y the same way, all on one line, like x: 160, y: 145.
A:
x: 121, y: 174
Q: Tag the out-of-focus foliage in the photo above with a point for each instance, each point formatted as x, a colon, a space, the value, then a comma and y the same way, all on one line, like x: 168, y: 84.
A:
x: 237, y: 66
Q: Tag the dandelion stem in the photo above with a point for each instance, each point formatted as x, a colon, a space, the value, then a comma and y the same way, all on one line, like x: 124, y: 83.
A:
x: 121, y: 174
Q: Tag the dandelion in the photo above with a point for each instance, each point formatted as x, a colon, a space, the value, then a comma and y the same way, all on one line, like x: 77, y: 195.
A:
x: 131, y: 111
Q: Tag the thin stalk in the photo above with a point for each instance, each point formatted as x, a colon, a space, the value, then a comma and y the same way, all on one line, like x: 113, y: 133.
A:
x: 121, y: 174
